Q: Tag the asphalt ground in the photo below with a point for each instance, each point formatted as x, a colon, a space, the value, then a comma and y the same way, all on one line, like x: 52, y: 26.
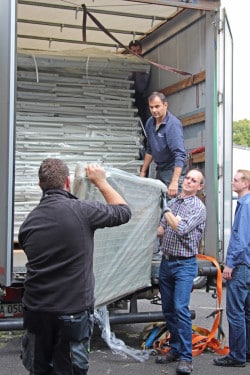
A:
x: 103, y: 361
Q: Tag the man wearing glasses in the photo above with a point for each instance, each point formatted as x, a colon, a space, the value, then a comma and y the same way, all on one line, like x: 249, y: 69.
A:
x: 181, y: 229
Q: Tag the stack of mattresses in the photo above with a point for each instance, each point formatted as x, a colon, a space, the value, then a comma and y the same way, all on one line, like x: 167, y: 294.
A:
x: 78, y: 108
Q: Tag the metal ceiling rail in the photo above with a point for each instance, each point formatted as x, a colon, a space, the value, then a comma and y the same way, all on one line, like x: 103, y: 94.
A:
x: 50, y: 40
x: 78, y: 27
x: 196, y: 4
x: 93, y: 10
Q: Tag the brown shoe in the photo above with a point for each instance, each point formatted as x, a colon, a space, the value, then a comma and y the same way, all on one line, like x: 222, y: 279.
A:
x: 169, y: 357
x: 184, y: 367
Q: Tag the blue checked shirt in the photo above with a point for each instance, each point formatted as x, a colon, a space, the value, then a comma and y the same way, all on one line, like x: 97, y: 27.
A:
x: 185, y: 240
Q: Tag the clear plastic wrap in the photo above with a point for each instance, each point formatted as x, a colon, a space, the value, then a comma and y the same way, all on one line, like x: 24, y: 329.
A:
x: 117, y: 346
x: 123, y: 255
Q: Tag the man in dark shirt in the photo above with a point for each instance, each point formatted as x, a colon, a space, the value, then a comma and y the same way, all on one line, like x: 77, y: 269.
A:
x: 165, y: 145
x: 58, y: 239
x: 141, y: 81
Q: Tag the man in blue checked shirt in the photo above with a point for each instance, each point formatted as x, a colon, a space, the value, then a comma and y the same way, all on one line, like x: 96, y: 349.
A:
x: 181, y: 229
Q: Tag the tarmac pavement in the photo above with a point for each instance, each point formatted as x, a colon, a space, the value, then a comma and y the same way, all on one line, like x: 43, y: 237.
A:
x: 104, y: 362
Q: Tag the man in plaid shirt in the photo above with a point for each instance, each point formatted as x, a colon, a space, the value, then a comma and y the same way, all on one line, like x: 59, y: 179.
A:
x: 181, y: 229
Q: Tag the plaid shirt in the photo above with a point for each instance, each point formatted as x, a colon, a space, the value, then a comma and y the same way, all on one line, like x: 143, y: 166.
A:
x: 185, y: 240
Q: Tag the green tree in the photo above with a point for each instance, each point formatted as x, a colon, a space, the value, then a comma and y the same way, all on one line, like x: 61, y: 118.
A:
x: 241, y: 132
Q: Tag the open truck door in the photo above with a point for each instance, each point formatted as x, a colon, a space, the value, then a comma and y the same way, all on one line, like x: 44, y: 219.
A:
x: 225, y: 146
x: 7, y: 138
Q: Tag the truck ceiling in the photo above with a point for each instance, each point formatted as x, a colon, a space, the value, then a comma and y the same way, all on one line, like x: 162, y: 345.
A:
x: 58, y: 24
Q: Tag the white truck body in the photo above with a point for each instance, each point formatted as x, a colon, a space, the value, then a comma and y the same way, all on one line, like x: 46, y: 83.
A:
x: 192, y: 37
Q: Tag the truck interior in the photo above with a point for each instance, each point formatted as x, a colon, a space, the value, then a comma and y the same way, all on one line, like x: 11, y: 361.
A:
x: 71, y: 96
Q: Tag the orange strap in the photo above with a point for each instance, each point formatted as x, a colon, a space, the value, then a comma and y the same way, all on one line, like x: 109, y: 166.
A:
x: 203, y: 338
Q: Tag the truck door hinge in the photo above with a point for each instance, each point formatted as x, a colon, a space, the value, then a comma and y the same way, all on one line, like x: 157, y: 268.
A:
x: 220, y: 171
x: 220, y: 26
x: 220, y: 98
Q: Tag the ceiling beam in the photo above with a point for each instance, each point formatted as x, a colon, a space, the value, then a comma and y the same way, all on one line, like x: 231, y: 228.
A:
x: 92, y: 10
x: 60, y: 40
x: 199, y: 4
x: 78, y: 27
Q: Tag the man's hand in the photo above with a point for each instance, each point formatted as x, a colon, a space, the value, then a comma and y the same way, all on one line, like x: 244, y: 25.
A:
x: 227, y: 273
x: 173, y: 189
x: 160, y: 232
x: 143, y: 174
x: 95, y: 173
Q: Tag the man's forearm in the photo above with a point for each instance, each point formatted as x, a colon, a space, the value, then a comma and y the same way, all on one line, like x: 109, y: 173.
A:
x: 147, y: 161
x: 110, y: 195
x: 176, y: 174
x: 172, y: 220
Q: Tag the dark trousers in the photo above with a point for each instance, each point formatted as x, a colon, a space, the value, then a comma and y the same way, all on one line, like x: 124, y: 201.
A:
x: 56, y: 345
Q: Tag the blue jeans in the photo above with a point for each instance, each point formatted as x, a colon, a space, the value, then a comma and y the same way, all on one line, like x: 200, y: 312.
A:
x: 176, y: 283
x: 238, y: 312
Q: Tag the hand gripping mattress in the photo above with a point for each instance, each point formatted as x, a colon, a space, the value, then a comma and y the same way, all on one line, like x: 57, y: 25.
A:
x: 123, y: 255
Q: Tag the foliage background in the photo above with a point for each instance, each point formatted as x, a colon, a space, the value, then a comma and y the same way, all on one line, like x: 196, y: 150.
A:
x: 241, y: 132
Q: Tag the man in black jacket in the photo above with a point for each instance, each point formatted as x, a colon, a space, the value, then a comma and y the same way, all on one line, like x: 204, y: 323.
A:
x: 58, y: 239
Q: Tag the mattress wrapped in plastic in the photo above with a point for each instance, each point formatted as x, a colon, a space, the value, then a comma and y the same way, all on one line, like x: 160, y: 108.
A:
x: 123, y: 255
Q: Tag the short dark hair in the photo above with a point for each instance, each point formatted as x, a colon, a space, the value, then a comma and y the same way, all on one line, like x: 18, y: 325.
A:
x: 135, y: 43
x: 52, y: 174
x: 157, y: 94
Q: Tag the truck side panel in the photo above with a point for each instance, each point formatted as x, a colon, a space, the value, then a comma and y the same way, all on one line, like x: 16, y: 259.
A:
x: 7, y: 110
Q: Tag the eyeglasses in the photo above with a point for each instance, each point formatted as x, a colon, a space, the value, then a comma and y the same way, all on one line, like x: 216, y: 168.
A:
x: 191, y: 178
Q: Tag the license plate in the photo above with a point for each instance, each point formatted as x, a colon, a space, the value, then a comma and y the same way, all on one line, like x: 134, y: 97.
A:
x: 11, y: 310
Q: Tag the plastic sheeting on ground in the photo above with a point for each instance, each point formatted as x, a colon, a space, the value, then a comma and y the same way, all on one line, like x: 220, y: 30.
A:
x: 117, y: 346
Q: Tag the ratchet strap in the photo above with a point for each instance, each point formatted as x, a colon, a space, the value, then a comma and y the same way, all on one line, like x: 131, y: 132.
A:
x: 203, y: 338
x: 101, y: 27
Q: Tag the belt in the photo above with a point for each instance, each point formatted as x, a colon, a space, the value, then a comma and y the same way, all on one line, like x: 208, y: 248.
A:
x: 172, y: 258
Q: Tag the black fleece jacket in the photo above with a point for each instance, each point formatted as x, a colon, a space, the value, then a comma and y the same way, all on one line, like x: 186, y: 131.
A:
x: 58, y: 238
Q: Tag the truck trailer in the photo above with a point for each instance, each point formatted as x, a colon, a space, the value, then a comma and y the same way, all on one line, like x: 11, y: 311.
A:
x: 66, y: 91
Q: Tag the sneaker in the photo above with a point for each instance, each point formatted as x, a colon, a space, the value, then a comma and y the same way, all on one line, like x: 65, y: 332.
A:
x: 248, y: 357
x: 184, y: 367
x: 228, y: 362
x: 169, y: 357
